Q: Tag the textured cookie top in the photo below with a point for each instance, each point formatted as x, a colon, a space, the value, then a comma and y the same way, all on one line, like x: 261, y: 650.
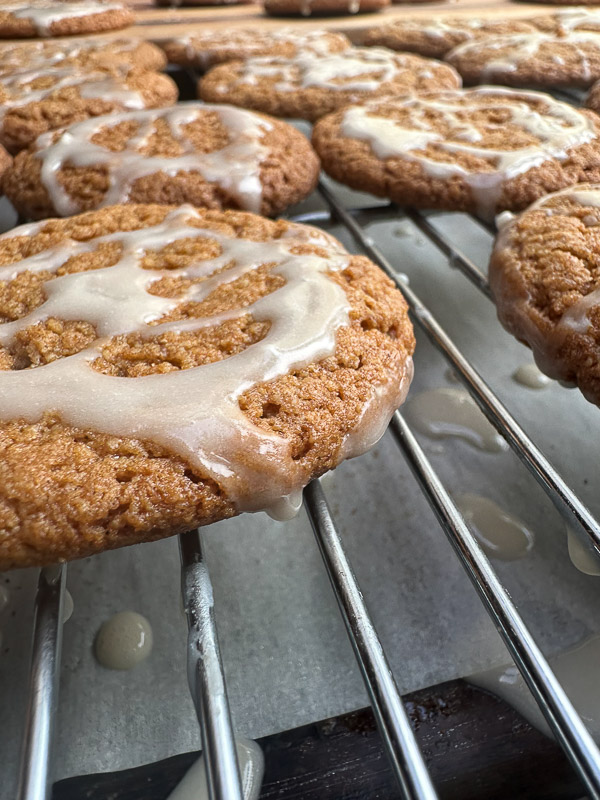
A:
x: 310, y: 85
x: 78, y: 54
x: 205, y: 48
x: 43, y: 14
x: 226, y: 146
x: 566, y: 20
x: 544, y: 60
x: 545, y: 275
x: 485, y: 136
x: 166, y: 317
x: 436, y: 36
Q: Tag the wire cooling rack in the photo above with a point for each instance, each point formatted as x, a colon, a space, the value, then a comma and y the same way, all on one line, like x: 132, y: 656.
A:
x: 205, y: 670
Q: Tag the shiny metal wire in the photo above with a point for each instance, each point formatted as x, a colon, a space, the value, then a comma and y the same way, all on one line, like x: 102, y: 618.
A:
x: 35, y: 771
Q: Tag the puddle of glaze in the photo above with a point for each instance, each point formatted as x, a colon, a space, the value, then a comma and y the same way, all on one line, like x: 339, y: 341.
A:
x: 68, y: 606
x: 582, y: 555
x: 499, y: 533
x: 529, y: 375
x: 577, y: 671
x: 451, y: 412
x: 4, y: 598
x: 252, y: 767
x: 123, y: 641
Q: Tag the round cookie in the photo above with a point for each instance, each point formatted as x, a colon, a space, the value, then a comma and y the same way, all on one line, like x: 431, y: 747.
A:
x: 545, y: 280
x: 206, y: 48
x: 592, y: 99
x: 209, y: 156
x: 22, y: 20
x: 310, y: 85
x: 79, y: 54
x: 437, y: 36
x: 164, y: 368
x: 480, y: 150
x: 572, y: 60
x: 566, y: 20
x: 307, y: 8
x: 32, y: 103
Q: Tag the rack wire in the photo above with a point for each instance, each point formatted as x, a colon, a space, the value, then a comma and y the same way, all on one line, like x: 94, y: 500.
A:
x: 205, y: 670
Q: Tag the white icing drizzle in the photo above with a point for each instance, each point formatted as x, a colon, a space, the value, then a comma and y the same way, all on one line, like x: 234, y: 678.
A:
x: 91, y: 84
x: 193, y: 413
x: 40, y: 56
x: 361, y: 69
x: 557, y: 128
x: 235, y: 167
x: 572, y: 19
x: 202, y: 46
x: 507, y: 54
x: 43, y: 13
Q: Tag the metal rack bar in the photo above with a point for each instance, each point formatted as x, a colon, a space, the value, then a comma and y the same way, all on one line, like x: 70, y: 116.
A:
x: 547, y: 476
x: 556, y: 707
x: 34, y: 775
x: 205, y: 673
x: 400, y: 743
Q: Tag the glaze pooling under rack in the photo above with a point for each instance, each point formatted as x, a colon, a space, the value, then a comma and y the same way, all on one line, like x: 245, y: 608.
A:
x: 353, y: 473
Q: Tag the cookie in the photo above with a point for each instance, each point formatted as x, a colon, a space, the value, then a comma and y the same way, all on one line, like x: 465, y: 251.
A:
x: 307, y: 8
x: 592, y: 99
x: 32, y: 103
x: 197, y: 3
x: 310, y: 85
x: 545, y: 280
x: 572, y: 60
x: 22, y: 20
x: 480, y: 150
x: 79, y: 54
x: 164, y: 368
x: 566, y: 20
x: 206, y: 48
x: 209, y: 156
x: 436, y: 36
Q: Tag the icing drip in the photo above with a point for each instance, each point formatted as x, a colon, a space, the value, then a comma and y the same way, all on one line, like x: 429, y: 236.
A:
x: 358, y: 68
x: 195, y: 412
x: 91, y: 84
x: 43, y: 13
x: 235, y: 167
x: 557, y: 128
x: 515, y: 49
x: 572, y: 19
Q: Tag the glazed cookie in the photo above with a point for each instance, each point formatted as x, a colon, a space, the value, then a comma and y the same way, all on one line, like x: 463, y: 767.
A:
x: 593, y: 98
x: 480, y: 150
x: 545, y: 280
x: 210, y: 156
x: 206, y: 48
x: 436, y: 36
x: 21, y: 20
x: 164, y: 368
x: 79, y: 54
x: 307, y: 8
x: 572, y: 60
x: 566, y: 20
x: 32, y: 103
x: 310, y: 85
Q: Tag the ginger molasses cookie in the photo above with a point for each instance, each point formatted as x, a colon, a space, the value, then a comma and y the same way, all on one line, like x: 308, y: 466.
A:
x: 436, y: 36
x: 207, y: 155
x: 32, y: 103
x: 307, y: 8
x: 480, y: 150
x: 545, y: 280
x: 20, y: 19
x: 572, y: 60
x: 165, y: 367
x: 206, y: 48
x: 566, y: 20
x: 79, y: 54
x: 312, y: 85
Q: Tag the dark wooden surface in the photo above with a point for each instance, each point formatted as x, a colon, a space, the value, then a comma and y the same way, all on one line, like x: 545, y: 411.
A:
x: 476, y: 747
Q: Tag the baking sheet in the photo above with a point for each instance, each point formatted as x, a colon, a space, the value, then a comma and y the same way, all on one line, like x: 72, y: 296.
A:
x: 286, y: 654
